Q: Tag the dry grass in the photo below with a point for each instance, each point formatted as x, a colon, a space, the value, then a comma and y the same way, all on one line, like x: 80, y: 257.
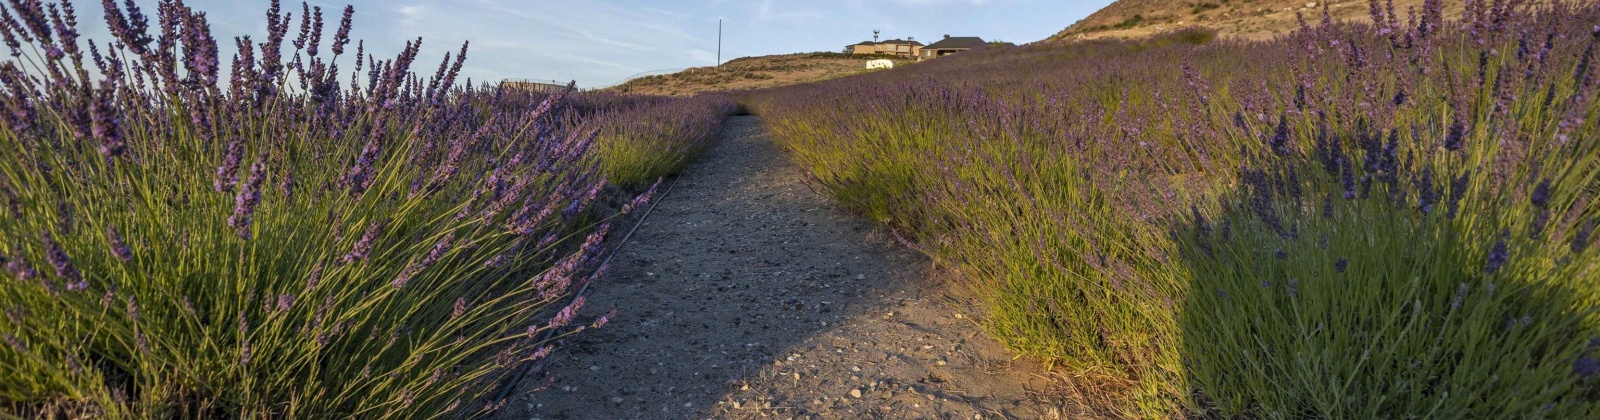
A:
x: 1250, y: 19
x: 753, y: 73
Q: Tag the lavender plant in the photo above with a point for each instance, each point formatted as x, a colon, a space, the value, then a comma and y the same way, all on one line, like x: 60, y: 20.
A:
x: 278, y: 241
x: 1304, y: 227
x: 640, y: 143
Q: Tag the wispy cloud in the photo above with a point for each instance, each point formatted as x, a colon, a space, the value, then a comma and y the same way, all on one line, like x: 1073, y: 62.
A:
x: 766, y: 12
x: 702, y: 56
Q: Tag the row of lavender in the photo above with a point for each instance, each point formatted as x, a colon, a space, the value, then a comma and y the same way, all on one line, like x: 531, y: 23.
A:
x: 1389, y: 219
x: 279, y: 241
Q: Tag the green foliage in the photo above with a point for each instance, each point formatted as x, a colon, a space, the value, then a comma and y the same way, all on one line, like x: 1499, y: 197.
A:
x: 1129, y: 23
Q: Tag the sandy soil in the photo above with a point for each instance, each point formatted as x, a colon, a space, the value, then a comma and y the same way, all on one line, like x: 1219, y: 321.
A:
x: 749, y: 295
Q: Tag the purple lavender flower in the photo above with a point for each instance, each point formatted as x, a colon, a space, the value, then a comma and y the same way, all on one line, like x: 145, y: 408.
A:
x: 342, y: 36
x: 316, y: 31
x: 1541, y: 194
x: 1341, y: 265
x: 315, y: 277
x: 1580, y: 240
x: 1541, y: 219
x: 565, y: 315
x: 604, y: 319
x: 1498, y: 256
x: 364, y: 246
x: 1586, y: 367
x: 440, y: 248
x: 1348, y: 180
x: 541, y: 353
x: 244, y: 204
x: 33, y: 19
x: 16, y: 344
x: 305, y: 26
x: 63, y: 266
x: 200, y: 50
x: 118, y: 247
x: 227, y: 172
x: 1455, y: 138
x: 106, y: 125
x: 1280, y: 136
x: 1427, y: 195
x: 1458, y: 190
x: 20, y: 269
x: 360, y: 177
x: 133, y: 308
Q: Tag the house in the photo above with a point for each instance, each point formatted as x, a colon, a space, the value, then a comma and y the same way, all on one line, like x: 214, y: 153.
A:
x: 950, y: 45
x: 534, y: 85
x: 900, y: 47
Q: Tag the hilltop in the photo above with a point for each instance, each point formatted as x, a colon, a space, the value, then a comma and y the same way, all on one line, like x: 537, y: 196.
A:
x: 754, y: 73
x: 1249, y: 19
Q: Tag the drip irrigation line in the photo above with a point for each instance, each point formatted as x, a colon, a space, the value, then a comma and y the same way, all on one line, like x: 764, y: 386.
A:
x: 505, y: 389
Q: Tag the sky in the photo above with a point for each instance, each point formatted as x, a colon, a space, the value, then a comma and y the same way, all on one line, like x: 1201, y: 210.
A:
x: 602, y: 42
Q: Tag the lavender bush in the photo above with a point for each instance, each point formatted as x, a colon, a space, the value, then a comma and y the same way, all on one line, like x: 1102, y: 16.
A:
x: 639, y: 143
x: 1393, y: 219
x: 278, y: 241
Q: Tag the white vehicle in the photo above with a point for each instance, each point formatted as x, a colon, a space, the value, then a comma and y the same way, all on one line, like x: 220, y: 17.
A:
x: 880, y: 64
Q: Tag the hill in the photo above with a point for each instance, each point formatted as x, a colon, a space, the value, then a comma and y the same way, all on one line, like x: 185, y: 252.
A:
x: 1250, y: 19
x: 753, y: 73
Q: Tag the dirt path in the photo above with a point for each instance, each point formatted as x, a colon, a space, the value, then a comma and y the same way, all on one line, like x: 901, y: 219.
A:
x: 748, y: 295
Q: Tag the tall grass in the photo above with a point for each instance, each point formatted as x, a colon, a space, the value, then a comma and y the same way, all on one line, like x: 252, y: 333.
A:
x: 1140, y: 210
x: 279, y: 245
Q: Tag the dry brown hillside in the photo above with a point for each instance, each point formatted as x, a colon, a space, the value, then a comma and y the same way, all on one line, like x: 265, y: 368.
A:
x: 753, y: 73
x: 1231, y: 18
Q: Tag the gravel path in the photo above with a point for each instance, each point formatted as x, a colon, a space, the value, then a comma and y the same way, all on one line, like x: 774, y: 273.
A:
x: 749, y: 295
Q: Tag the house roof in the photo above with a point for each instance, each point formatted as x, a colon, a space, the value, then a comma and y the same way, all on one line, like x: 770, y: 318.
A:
x: 957, y: 42
x: 902, y: 41
x: 892, y: 41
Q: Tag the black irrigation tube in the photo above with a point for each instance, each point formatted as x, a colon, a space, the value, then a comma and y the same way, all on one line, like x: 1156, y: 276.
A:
x: 505, y: 389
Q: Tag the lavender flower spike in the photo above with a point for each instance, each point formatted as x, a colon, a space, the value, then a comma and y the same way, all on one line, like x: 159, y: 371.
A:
x: 244, y: 204
x: 1497, y: 257
x: 364, y: 246
x: 22, y: 270
x: 226, y: 173
x: 118, y: 247
x: 58, y: 260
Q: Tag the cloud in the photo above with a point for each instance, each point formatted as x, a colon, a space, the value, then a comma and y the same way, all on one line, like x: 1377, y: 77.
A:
x: 702, y: 56
x: 765, y: 13
x: 668, y: 13
x: 933, y: 2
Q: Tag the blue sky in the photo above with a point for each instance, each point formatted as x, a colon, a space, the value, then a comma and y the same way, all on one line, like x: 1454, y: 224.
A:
x: 599, y: 42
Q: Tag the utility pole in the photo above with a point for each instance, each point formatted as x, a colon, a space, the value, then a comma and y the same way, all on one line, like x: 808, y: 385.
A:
x: 719, y: 43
